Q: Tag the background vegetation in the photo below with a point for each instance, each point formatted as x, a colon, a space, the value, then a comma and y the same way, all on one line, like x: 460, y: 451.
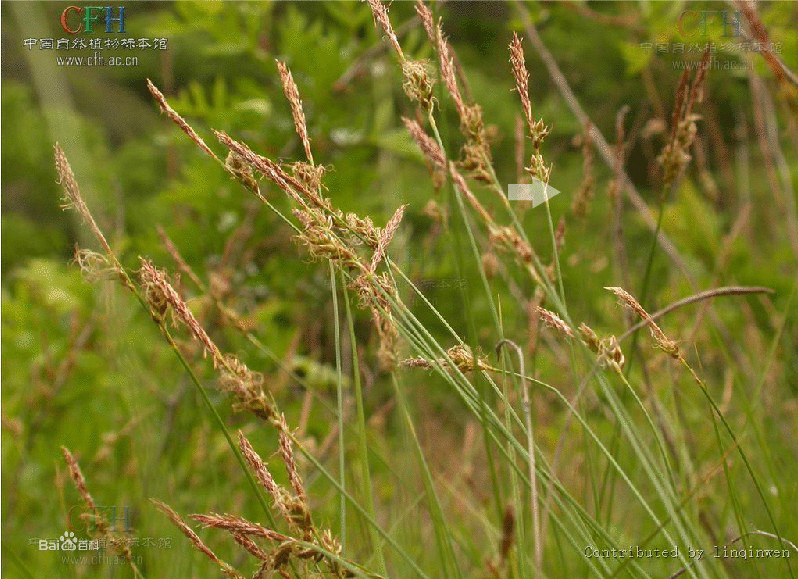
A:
x: 435, y: 487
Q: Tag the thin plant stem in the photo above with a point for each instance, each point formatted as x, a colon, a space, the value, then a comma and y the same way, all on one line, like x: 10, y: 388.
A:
x: 220, y: 423
x: 530, y: 443
x: 361, y: 418
x: 443, y: 533
x: 340, y: 395
x: 652, y: 250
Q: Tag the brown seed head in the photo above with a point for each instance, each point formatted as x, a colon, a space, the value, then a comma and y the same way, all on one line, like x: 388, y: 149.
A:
x: 193, y: 537
x: 241, y: 171
x: 447, y: 73
x: 419, y: 84
x: 78, y: 478
x: 292, y: 94
x: 426, y: 20
x: 554, y: 321
x: 380, y: 13
x: 74, y: 200
x: 386, y: 235
x: 178, y: 120
x: 521, y: 77
x: 508, y: 239
x: 429, y: 147
x: 662, y: 341
x: 234, y: 524
x: 160, y: 292
x: 589, y: 337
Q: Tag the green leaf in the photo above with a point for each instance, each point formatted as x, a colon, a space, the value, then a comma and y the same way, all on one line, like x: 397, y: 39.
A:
x: 635, y: 57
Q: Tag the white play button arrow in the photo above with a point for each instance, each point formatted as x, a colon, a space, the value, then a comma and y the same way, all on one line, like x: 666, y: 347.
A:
x: 537, y: 192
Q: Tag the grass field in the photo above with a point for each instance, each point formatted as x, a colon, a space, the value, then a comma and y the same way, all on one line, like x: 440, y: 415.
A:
x: 305, y: 333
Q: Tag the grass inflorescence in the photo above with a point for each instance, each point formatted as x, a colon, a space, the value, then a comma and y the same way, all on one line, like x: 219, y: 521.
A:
x: 623, y: 447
